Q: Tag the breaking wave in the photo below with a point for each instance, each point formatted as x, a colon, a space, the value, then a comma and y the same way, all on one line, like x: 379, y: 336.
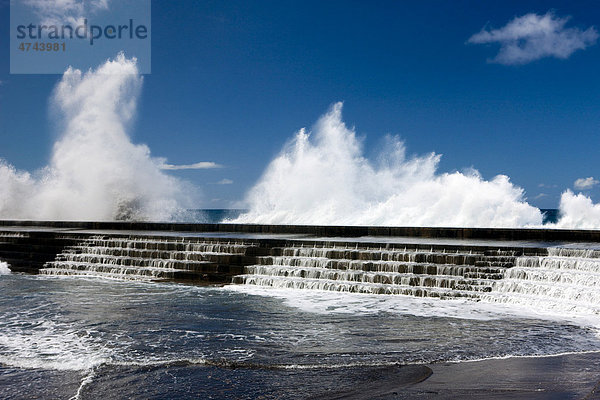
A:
x: 322, y: 177
x: 4, y: 268
x: 95, y: 171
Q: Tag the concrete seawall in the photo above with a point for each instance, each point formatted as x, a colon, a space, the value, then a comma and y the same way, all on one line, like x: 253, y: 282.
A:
x: 28, y: 246
x: 543, y: 235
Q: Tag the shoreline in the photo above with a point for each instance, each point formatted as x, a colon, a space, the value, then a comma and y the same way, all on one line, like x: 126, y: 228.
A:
x: 562, y: 376
x: 572, y: 376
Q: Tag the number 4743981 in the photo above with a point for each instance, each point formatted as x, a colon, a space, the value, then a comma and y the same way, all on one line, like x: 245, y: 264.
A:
x: 43, y: 46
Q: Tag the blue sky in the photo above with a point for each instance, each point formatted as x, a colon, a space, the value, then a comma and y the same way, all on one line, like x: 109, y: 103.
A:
x: 232, y: 81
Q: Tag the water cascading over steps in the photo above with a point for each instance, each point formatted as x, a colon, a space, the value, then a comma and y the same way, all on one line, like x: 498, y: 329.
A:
x: 553, y: 279
x: 30, y: 251
x: 564, y: 280
x: 147, y: 258
x: 414, y: 272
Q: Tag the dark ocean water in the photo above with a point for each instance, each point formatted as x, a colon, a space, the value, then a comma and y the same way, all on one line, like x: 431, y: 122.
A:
x: 64, y: 338
x: 550, y: 215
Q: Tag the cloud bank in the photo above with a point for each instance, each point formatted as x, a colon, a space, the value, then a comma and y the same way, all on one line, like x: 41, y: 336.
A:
x: 532, y: 37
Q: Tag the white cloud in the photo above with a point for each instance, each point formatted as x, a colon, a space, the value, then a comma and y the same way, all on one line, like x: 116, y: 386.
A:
x: 57, y: 12
x: 225, y: 182
x: 585, y: 183
x: 100, y: 4
x: 198, y: 165
x: 532, y: 36
x: 540, y: 196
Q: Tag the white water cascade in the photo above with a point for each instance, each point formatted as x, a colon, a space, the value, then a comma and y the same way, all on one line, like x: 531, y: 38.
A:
x: 554, y: 280
x: 148, y: 259
x: 407, y: 271
x: 565, y: 280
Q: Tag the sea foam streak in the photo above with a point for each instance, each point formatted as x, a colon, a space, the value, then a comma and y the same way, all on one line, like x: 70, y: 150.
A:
x: 95, y: 172
x: 323, y: 178
x: 326, y: 302
x: 49, y: 345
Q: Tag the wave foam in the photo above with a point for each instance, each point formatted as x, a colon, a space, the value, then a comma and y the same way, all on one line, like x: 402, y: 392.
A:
x: 4, y: 268
x: 95, y: 172
x: 50, y: 345
x: 578, y: 211
x: 323, y: 178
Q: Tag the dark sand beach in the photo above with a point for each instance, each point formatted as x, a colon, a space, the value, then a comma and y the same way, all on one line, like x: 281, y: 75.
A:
x: 571, y: 376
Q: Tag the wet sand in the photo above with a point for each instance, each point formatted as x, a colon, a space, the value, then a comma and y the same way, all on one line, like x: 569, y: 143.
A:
x: 573, y: 376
